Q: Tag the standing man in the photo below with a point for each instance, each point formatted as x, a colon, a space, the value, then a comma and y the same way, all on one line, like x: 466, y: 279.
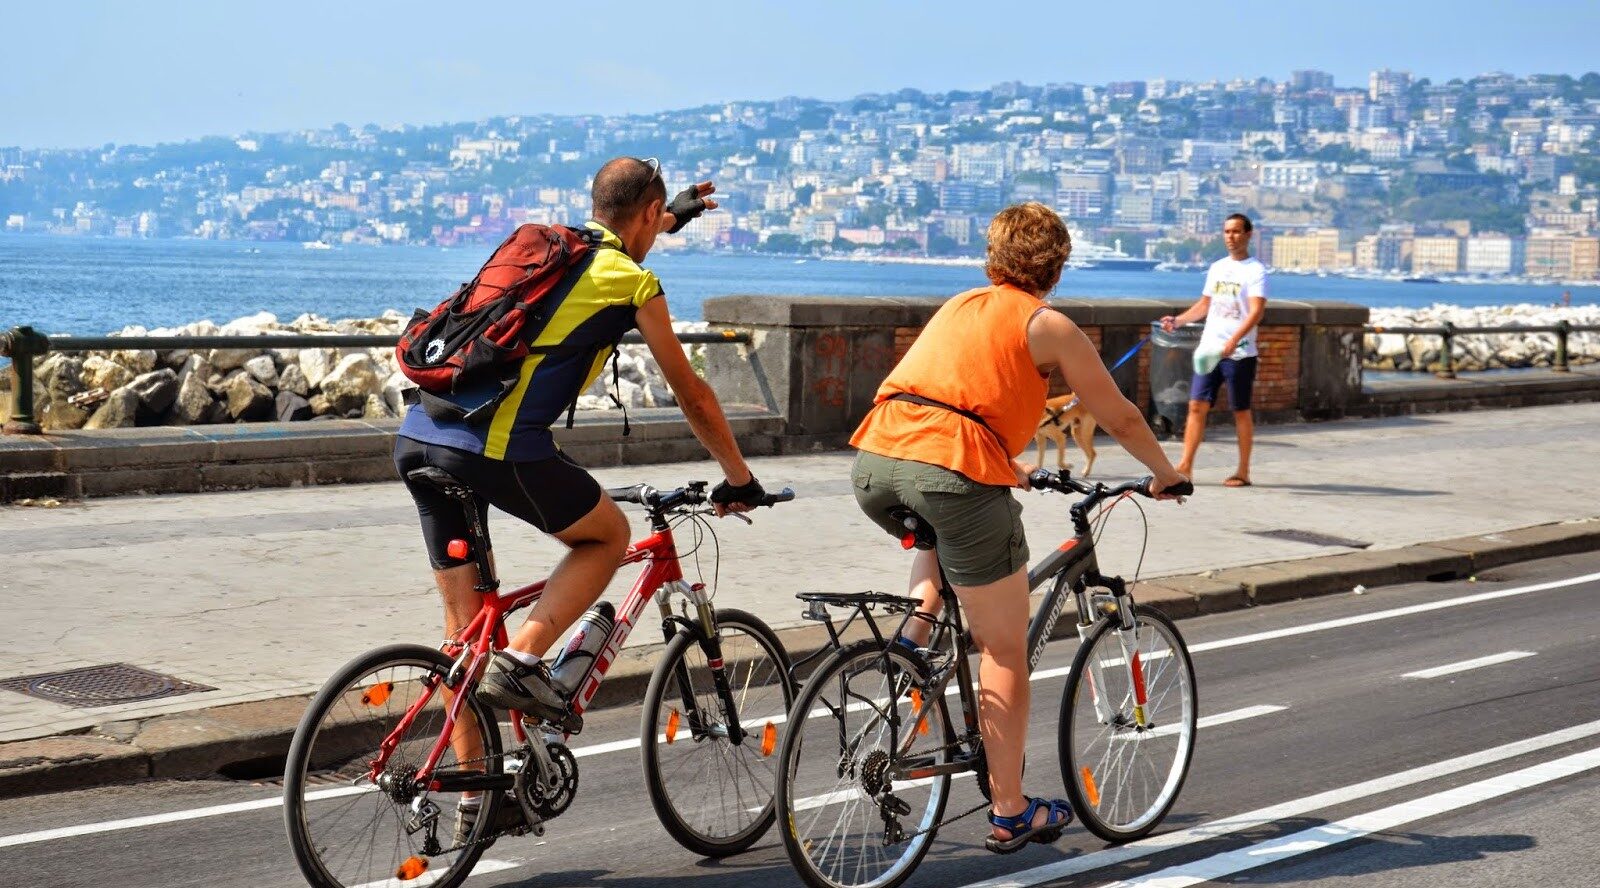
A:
x: 1232, y: 302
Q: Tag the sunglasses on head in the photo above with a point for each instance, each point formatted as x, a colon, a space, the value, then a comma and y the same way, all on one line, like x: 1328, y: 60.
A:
x: 654, y: 165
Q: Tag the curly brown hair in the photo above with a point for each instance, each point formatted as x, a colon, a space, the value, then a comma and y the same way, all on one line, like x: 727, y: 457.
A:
x: 1028, y: 245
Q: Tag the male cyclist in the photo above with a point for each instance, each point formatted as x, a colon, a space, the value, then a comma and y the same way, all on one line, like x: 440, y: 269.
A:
x: 512, y: 462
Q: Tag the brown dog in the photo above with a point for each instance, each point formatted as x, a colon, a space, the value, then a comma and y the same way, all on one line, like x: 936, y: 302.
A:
x: 1061, y: 415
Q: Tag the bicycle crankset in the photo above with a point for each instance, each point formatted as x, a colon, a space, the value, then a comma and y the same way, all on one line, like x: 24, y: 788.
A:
x: 551, y: 799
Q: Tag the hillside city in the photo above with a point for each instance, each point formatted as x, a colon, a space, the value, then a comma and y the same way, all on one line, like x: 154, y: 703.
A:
x: 1496, y: 175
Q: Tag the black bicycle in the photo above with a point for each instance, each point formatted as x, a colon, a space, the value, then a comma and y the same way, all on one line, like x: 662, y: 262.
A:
x: 865, y: 769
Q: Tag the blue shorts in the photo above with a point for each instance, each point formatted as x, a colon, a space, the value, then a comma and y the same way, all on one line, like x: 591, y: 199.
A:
x: 1238, y: 373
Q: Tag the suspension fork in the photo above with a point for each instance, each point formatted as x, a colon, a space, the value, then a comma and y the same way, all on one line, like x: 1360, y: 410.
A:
x: 1128, y: 641
x: 709, y: 637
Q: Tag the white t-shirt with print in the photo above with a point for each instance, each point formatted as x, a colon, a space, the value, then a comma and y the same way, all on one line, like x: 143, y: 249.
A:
x: 1231, y: 283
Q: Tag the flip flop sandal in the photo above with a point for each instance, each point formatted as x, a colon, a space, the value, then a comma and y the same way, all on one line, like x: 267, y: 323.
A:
x: 1235, y: 481
x: 1022, y: 829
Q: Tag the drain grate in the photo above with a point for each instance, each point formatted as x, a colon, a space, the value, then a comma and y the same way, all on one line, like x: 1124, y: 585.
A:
x: 1310, y: 537
x: 101, y: 685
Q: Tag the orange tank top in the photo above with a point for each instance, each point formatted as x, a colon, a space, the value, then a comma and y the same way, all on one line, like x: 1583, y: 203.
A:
x: 974, y: 355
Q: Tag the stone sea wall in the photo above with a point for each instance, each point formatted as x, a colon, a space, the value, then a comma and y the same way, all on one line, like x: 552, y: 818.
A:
x: 1397, y: 351
x: 143, y: 387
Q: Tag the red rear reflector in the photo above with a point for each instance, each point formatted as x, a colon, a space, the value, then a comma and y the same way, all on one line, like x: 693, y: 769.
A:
x: 909, y: 541
x: 458, y: 549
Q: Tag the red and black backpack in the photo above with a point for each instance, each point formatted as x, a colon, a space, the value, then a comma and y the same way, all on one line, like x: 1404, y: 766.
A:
x: 484, y: 330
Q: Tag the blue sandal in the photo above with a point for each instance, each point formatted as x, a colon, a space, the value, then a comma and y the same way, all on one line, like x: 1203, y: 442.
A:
x: 1022, y: 829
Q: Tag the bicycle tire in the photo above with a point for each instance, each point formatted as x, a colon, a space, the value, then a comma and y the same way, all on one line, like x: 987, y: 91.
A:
x: 350, y: 743
x: 1080, y: 722
x: 795, y: 799
x: 694, y: 826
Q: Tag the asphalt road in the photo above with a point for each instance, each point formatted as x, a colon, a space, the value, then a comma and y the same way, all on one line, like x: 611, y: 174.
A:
x: 1322, y: 763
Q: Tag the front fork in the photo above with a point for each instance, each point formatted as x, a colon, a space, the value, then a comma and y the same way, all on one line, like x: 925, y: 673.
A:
x: 705, y: 627
x: 1117, y: 606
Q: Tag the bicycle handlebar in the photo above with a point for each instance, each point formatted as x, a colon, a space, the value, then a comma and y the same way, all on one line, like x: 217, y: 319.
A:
x: 692, y: 494
x: 1044, y: 479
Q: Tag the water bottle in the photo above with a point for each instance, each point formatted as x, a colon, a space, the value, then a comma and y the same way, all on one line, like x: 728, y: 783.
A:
x: 594, y: 628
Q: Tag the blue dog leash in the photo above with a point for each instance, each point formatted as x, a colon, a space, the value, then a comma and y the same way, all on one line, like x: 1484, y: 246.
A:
x: 1120, y: 361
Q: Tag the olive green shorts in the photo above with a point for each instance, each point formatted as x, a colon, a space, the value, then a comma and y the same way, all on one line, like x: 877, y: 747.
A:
x: 979, y: 526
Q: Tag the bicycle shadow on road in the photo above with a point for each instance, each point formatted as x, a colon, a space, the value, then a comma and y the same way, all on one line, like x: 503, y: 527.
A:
x: 1349, y: 489
x: 728, y: 873
x: 1389, y: 851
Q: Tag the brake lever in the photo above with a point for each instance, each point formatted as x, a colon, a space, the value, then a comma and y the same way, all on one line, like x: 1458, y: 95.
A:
x: 741, y: 516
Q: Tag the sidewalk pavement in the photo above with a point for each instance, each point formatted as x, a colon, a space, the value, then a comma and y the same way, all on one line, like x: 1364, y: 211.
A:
x: 262, y: 594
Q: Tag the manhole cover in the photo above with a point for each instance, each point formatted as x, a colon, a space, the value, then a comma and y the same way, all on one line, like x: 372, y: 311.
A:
x: 1310, y: 537
x: 101, y: 685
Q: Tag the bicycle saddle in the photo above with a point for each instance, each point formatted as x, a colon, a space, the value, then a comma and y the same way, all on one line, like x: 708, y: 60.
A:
x: 438, y: 478
x: 918, y: 532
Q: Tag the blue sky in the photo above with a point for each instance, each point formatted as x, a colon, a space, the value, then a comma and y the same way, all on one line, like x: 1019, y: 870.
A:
x: 87, y: 73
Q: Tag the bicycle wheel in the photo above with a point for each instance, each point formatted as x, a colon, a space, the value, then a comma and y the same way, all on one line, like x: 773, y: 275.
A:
x: 1121, y: 777
x: 346, y: 831
x: 847, y: 822
x: 715, y: 797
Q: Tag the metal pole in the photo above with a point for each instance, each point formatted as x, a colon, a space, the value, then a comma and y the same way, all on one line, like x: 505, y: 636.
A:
x: 21, y: 344
x: 1447, y: 361
x: 1562, y: 329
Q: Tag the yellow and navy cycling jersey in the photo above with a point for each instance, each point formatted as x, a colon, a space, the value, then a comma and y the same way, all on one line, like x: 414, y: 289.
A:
x: 586, y: 323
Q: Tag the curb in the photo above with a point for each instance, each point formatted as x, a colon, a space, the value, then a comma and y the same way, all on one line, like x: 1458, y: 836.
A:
x: 248, y: 740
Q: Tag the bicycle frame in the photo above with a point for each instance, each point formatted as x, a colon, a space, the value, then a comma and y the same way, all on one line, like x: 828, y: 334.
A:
x: 476, y: 642
x: 1074, y: 567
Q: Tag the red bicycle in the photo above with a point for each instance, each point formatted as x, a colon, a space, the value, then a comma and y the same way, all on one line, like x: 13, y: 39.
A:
x: 396, y: 739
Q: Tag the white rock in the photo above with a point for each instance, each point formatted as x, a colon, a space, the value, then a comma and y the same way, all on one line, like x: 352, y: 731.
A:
x: 255, y: 324
x: 316, y: 363
x: 99, y: 372
x: 262, y: 368
x: 292, y: 380
x: 225, y: 359
x: 139, y: 361
x: 394, y: 389
x: 349, y: 384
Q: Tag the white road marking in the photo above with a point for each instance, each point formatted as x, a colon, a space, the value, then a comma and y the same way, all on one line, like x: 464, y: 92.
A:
x: 1389, y: 614
x: 484, y: 866
x: 1465, y: 665
x: 619, y: 745
x: 67, y: 832
x: 1317, y: 838
x: 1221, y: 718
x: 1295, y: 808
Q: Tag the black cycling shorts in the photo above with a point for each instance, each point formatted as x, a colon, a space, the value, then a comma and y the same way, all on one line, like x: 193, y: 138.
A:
x: 551, y: 494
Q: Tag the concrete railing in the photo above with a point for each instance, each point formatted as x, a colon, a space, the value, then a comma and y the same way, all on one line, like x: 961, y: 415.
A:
x: 818, y: 360
x: 1448, y: 332
x: 24, y: 345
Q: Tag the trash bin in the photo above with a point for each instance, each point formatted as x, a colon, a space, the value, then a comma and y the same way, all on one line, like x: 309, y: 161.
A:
x: 1171, y: 373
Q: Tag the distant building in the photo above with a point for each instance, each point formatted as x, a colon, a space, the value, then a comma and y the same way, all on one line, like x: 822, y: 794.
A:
x: 1308, y: 80
x: 1293, y: 175
x: 1436, y: 255
x: 1388, y: 86
x: 1494, y: 254
x: 1313, y: 250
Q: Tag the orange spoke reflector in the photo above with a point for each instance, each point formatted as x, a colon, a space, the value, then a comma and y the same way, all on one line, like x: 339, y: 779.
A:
x: 916, y: 708
x: 410, y: 868
x: 1089, y: 789
x: 378, y: 694
x: 916, y: 701
x: 769, y: 739
x: 672, y: 727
